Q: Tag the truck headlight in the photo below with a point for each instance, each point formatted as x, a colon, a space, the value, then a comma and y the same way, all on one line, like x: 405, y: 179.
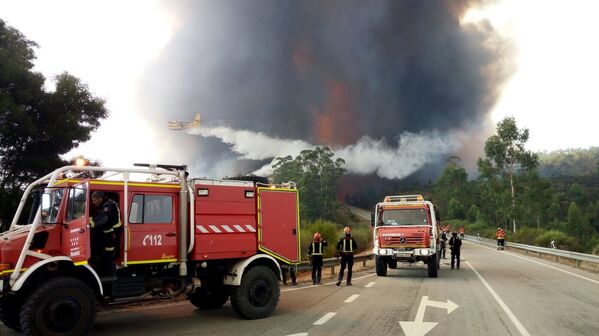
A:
x: 424, y: 252
x: 383, y: 252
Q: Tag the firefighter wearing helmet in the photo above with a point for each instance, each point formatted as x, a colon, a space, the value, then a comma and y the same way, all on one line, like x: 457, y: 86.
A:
x: 346, y: 247
x: 315, y: 252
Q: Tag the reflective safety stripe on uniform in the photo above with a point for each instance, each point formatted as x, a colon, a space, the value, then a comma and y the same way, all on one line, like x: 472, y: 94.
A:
x: 314, y: 252
x: 351, y: 245
x: 118, y: 217
x: 109, y: 249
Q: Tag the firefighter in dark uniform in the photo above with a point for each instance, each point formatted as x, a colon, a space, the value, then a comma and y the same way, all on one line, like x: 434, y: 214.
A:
x: 455, y: 244
x: 289, y: 269
x: 315, y: 252
x: 106, y: 229
x: 346, y: 247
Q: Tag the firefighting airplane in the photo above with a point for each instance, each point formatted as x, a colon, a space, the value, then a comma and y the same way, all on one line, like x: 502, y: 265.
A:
x: 180, y: 125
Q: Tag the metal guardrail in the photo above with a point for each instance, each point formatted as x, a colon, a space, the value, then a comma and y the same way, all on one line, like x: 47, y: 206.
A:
x: 575, y: 256
x: 333, y: 262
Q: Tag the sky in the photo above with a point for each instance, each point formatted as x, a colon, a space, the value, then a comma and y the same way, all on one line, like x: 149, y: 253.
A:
x: 538, y: 63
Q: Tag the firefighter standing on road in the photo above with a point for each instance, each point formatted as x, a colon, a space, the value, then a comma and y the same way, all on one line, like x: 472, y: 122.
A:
x: 106, y: 228
x: 443, y: 242
x: 289, y: 269
x: 346, y: 246
x: 500, y: 235
x: 315, y: 251
x: 455, y: 244
x: 462, y: 232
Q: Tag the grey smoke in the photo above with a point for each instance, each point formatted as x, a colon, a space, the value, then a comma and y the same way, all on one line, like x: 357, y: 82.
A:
x: 364, y: 77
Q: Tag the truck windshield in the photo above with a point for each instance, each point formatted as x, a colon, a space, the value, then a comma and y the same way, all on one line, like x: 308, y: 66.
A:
x: 51, y: 200
x: 404, y: 217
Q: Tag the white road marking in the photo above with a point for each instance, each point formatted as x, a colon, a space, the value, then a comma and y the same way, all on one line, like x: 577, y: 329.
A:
x: 326, y: 284
x: 299, y: 334
x: 325, y: 318
x: 352, y: 298
x: 370, y: 284
x: 507, y: 310
x: 540, y: 263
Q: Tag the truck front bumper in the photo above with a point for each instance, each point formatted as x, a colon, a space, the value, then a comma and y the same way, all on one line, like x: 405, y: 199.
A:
x: 403, y: 253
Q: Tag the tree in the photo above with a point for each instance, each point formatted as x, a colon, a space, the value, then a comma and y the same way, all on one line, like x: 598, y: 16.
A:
x: 453, y: 183
x: 317, y: 175
x: 455, y: 210
x: 37, y: 126
x: 506, y: 157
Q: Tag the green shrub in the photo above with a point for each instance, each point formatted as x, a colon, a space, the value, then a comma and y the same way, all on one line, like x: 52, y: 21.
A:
x: 527, y: 235
x: 562, y: 241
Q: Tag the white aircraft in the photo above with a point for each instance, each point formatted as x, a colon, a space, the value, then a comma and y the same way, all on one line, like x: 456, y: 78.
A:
x: 180, y: 125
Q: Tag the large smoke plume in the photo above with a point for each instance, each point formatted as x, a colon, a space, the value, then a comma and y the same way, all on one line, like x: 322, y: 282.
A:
x: 390, y: 86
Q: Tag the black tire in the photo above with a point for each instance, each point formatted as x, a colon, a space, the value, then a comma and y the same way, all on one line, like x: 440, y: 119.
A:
x: 209, y: 298
x: 258, y: 294
x: 392, y: 264
x: 433, y: 266
x: 381, y: 266
x: 61, y: 306
x: 10, y: 308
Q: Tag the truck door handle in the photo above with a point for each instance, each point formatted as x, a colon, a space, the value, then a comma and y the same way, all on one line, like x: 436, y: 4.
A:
x: 171, y: 234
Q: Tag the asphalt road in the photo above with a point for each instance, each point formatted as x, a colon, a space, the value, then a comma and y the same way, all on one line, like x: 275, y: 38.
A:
x: 494, y: 293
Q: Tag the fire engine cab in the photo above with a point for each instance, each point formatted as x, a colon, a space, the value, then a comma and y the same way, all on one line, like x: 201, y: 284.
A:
x: 213, y: 240
x: 405, y: 230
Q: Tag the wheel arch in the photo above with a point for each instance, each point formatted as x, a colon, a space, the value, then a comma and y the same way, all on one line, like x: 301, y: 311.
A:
x: 58, y: 266
x: 235, y: 271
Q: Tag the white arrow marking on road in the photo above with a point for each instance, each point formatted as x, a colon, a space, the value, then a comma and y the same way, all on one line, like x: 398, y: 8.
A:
x: 419, y: 327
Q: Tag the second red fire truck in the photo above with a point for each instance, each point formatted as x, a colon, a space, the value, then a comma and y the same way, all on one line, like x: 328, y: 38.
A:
x: 214, y: 240
x: 405, y: 230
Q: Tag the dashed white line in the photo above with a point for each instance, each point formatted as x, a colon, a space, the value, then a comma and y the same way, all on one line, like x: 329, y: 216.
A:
x: 325, y: 318
x: 370, y: 284
x: 299, y: 334
x: 507, y: 310
x: 351, y: 298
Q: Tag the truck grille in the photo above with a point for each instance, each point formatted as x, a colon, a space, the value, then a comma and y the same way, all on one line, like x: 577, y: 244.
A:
x: 403, y: 241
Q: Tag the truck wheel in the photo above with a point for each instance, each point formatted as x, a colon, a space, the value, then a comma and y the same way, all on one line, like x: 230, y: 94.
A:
x: 392, y: 264
x: 432, y: 266
x: 209, y: 298
x: 258, y: 294
x: 9, y: 312
x: 61, y: 306
x: 381, y: 266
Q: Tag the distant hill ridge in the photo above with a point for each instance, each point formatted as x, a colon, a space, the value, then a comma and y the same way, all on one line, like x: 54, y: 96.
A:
x: 569, y: 162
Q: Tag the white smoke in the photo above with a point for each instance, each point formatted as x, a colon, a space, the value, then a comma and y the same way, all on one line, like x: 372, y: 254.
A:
x: 366, y: 156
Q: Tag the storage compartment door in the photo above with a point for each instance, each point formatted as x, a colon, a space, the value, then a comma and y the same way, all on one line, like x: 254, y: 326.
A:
x: 278, y: 223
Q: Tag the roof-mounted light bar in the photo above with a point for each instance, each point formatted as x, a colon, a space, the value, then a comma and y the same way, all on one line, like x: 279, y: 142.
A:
x: 404, y: 198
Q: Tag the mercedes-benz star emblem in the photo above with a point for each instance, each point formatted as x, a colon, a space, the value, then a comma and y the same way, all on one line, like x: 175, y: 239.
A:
x: 402, y: 240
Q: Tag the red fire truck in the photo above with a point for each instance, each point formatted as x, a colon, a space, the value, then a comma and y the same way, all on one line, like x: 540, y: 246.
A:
x: 405, y: 230
x: 213, y: 240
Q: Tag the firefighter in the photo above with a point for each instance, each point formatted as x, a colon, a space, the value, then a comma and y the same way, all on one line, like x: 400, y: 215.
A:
x: 106, y: 228
x: 346, y: 247
x: 500, y: 235
x: 462, y: 232
x: 289, y: 269
x: 315, y: 252
x: 443, y: 243
x: 455, y: 244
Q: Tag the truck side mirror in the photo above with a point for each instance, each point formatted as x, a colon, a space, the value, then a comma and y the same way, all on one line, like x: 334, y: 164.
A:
x: 372, y: 219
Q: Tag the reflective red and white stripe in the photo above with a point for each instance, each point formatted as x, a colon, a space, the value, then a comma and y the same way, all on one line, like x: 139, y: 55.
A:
x: 224, y: 228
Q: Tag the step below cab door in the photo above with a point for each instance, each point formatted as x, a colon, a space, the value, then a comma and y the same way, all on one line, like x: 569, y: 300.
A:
x: 278, y: 223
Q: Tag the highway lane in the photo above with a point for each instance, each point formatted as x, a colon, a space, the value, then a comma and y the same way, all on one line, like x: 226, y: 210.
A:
x: 529, y: 298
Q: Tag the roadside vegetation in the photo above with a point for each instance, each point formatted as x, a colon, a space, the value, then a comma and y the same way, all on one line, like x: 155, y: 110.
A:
x: 511, y: 193
x: 317, y: 175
